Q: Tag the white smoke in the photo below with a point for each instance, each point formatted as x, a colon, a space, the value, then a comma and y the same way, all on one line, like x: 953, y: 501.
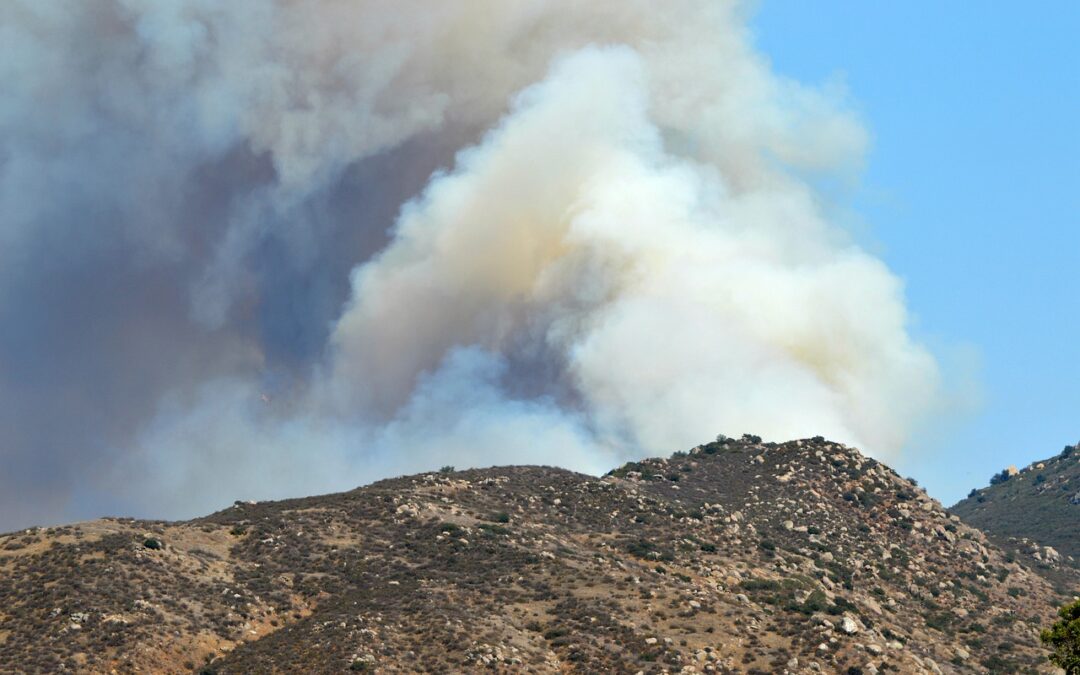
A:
x: 672, y: 303
x: 621, y: 255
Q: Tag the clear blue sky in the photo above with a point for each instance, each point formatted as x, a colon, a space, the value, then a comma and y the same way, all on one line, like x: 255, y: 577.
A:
x: 971, y: 194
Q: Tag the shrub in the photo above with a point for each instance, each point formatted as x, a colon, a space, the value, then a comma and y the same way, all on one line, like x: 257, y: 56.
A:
x: 1040, y: 479
x: 554, y: 633
x: 1064, y: 638
x: 500, y: 517
x: 643, y: 548
x: 152, y: 544
x: 938, y: 620
x: 974, y: 493
x: 1000, y: 477
x: 815, y: 602
x: 447, y: 469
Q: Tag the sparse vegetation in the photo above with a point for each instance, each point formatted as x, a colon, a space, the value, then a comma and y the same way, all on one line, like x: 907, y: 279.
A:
x: 1039, y: 504
x: 743, y: 563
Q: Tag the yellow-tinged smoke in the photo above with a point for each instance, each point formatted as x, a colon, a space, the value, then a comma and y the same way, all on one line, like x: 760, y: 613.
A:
x: 621, y: 253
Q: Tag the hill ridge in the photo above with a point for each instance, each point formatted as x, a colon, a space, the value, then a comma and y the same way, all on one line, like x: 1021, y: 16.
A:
x: 1034, y: 511
x: 735, y: 556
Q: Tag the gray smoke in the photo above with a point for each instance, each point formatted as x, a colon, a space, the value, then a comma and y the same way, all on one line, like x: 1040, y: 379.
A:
x: 256, y: 249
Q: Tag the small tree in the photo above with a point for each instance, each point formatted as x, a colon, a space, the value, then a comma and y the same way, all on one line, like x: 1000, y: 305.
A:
x: 1064, y: 638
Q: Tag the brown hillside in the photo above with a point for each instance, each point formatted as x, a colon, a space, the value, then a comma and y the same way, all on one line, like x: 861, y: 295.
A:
x: 738, y: 557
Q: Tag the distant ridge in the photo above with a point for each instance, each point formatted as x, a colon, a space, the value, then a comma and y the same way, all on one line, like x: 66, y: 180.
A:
x: 1035, y: 510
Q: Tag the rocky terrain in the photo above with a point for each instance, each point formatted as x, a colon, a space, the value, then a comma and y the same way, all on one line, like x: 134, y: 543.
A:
x: 1033, y: 512
x: 735, y: 557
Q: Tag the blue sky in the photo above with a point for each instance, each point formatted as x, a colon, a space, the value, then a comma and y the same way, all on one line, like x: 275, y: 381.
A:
x: 971, y: 193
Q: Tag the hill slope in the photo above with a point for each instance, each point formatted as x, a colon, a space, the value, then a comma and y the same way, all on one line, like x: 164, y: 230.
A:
x: 737, y: 557
x: 1037, y: 507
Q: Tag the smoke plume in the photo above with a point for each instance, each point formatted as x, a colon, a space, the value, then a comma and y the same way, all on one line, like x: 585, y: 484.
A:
x: 256, y: 249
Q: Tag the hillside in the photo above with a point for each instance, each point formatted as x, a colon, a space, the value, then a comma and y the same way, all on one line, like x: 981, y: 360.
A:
x: 1035, y: 511
x: 737, y: 557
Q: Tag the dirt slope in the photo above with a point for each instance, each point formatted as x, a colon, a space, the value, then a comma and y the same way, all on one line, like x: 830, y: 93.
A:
x: 736, y: 557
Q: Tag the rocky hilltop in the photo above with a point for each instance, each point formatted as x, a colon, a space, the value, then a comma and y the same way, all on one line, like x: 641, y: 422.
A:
x: 735, y: 557
x: 1034, y: 511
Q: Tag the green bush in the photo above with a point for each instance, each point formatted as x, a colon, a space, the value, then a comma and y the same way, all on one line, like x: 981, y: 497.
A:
x: 152, y: 544
x: 1064, y: 638
x: 815, y: 602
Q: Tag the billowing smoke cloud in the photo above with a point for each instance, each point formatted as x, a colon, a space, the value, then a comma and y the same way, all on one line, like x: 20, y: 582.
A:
x: 257, y: 249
